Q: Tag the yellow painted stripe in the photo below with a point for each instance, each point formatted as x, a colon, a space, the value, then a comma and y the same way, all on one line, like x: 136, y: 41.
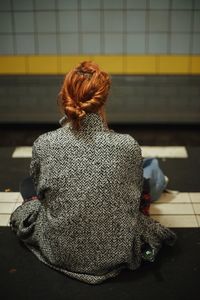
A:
x: 114, y: 64
x: 42, y: 64
x: 195, y: 64
x: 140, y: 64
x: 175, y: 64
x: 13, y: 65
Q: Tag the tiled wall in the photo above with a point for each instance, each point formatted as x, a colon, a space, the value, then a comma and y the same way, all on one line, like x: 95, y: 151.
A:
x: 33, y: 27
x: 127, y: 37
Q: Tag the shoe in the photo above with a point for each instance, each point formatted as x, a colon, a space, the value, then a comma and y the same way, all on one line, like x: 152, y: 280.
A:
x: 166, y: 180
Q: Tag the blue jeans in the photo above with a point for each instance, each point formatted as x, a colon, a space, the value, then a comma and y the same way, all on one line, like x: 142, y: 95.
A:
x: 155, y: 177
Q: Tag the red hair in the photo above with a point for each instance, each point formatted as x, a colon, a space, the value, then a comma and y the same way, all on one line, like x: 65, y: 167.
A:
x: 84, y: 90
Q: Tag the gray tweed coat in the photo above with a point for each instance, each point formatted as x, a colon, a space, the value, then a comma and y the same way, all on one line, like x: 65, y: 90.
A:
x: 86, y: 222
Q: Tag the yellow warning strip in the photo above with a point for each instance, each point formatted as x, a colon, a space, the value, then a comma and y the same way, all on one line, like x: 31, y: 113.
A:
x: 114, y: 64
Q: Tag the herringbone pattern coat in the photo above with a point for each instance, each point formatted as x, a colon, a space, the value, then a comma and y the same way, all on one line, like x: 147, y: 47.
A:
x: 86, y: 222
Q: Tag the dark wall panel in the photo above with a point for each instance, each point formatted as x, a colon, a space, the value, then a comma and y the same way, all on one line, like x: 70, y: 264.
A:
x: 133, y: 99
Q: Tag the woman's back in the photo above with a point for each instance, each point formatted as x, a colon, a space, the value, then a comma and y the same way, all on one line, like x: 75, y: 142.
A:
x: 90, y: 188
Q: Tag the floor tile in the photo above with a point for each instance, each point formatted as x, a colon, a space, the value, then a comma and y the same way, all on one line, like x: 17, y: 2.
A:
x: 22, y: 152
x: 9, y: 196
x: 196, y: 207
x: 4, y: 219
x: 198, y: 219
x: 176, y: 221
x: 172, y: 209
x: 174, y: 198
x: 19, y: 199
x: 17, y: 204
x: 6, y: 208
x: 172, y: 151
x: 195, y: 197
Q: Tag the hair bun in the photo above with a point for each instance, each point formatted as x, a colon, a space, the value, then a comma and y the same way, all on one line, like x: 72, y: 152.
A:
x: 74, y: 112
x: 85, y: 89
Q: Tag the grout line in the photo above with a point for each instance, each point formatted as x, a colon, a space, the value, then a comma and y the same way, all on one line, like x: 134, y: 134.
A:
x: 198, y: 222
x: 35, y: 26
x: 189, y: 198
x: 171, y: 215
x: 170, y: 203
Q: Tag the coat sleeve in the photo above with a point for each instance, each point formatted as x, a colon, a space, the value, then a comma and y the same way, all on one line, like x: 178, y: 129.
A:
x: 136, y: 165
x: 23, y: 219
x: 139, y: 171
x: 34, y: 170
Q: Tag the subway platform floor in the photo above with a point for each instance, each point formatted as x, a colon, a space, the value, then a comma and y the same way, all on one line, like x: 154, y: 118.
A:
x: 176, y: 272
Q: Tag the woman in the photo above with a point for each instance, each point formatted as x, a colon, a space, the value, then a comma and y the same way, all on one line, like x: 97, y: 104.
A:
x: 86, y: 220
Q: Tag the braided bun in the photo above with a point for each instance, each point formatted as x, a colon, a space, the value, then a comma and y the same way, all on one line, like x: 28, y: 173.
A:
x: 70, y: 108
x: 85, y: 89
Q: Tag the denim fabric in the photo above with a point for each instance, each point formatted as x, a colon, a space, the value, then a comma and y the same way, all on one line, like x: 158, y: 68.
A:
x: 27, y: 188
x: 155, y: 176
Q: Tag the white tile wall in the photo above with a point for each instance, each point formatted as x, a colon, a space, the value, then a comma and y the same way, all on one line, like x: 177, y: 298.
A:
x: 46, y: 21
x: 44, y: 4
x: 90, y: 21
x: 136, y: 21
x: 136, y: 43
x: 158, y: 21
x: 112, y: 4
x: 182, y: 4
x: 88, y: 4
x: 5, y: 5
x: 21, y: 4
x: 91, y: 43
x: 67, y: 4
x: 113, y: 40
x: 68, y: 21
x: 158, y: 42
x: 6, y: 44
x: 159, y: 4
x: 181, y: 21
x: 25, y: 43
x: 180, y: 43
x: 107, y: 16
x: 136, y: 4
x: 196, y: 43
x: 47, y: 43
x: 5, y: 22
x: 69, y: 43
x: 24, y: 22
x: 113, y: 21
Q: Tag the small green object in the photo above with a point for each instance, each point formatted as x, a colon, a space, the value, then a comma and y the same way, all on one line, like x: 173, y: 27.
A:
x: 149, y: 255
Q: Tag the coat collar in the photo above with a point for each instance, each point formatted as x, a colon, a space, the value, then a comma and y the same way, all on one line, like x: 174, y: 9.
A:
x: 92, y: 122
